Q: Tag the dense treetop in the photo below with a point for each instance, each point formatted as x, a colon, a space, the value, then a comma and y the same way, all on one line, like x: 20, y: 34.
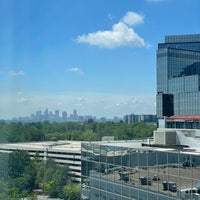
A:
x: 46, y: 131
x: 20, y: 176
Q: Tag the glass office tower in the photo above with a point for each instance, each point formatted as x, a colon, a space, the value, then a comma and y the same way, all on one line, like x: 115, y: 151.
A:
x: 178, y: 74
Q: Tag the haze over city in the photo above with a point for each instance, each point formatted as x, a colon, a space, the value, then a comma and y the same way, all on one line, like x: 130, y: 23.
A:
x: 96, y: 56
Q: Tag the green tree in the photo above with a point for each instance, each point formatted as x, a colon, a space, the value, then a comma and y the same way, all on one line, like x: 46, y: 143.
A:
x: 18, y: 161
x: 4, y: 159
x: 3, y: 189
x: 18, y: 187
x: 53, y: 178
x: 30, y: 174
x: 72, y: 192
x: 30, y: 132
x: 88, y: 135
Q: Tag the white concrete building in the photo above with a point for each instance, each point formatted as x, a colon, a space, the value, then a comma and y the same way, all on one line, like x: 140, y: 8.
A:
x: 62, y: 152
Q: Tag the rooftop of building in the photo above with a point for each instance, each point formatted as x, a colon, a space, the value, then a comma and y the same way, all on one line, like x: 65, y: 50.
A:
x: 60, y: 146
x: 147, y: 145
x: 75, y: 146
x: 185, y: 117
x: 182, y: 38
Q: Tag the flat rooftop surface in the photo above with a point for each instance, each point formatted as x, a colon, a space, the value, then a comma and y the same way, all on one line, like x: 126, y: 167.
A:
x: 36, y: 146
x: 75, y: 146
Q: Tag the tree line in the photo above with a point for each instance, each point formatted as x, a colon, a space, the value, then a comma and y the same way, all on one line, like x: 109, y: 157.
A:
x: 46, y: 131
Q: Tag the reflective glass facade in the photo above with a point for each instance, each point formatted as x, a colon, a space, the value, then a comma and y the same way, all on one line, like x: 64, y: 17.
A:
x: 178, y: 72
x: 114, y: 171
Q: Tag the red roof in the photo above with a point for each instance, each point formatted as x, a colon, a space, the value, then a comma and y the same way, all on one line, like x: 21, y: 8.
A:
x: 186, y: 117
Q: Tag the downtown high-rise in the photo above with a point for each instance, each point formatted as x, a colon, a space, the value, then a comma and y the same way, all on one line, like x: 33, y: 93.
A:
x: 178, y: 76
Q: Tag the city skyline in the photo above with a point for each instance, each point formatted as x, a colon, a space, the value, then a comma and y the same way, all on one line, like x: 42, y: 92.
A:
x: 96, y: 56
x: 74, y: 115
x: 52, y: 116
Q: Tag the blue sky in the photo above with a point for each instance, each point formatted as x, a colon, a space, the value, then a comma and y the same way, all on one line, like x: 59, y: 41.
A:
x: 96, y: 56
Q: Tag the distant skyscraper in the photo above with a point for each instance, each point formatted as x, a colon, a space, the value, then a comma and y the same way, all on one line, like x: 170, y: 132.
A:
x: 38, y: 115
x: 57, y: 115
x: 64, y: 116
x: 46, y: 114
x: 178, y: 75
x: 75, y: 114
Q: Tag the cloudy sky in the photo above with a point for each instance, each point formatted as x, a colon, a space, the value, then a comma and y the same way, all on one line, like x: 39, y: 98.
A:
x: 96, y: 56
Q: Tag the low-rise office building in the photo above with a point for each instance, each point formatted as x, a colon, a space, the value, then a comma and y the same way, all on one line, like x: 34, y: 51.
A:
x: 180, y: 122
x: 132, y: 118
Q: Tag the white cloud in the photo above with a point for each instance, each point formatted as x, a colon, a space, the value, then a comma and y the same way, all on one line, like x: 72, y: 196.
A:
x: 20, y: 98
x: 76, y: 70
x: 132, y: 18
x: 14, y: 105
x: 121, y: 34
x: 16, y: 73
x: 110, y: 16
